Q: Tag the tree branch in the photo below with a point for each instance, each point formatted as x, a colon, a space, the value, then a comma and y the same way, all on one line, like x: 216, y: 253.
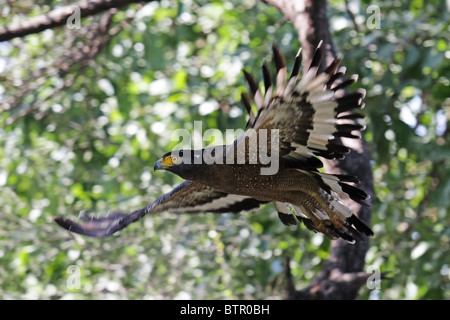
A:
x: 351, y: 16
x: 58, y: 17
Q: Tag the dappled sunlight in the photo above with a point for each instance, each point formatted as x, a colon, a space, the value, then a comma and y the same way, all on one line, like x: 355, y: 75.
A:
x: 82, y: 123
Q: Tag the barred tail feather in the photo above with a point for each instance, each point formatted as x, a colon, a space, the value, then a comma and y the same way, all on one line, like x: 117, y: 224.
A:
x: 339, y: 184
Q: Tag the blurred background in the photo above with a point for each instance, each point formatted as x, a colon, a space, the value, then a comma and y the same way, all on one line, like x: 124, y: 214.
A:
x: 85, y: 112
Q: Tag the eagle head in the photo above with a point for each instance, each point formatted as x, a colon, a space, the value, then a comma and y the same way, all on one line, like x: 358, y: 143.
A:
x: 183, y: 163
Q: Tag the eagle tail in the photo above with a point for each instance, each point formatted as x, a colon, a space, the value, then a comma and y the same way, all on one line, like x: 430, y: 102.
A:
x: 333, y: 219
x: 339, y: 184
x: 324, y: 210
x: 337, y: 187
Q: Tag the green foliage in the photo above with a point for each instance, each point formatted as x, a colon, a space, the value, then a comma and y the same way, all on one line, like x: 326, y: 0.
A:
x: 87, y: 138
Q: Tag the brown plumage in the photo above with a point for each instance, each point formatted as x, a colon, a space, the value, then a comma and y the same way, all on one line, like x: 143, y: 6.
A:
x: 296, y: 121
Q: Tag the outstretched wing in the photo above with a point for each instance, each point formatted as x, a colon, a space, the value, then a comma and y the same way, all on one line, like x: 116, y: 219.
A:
x: 186, y: 197
x: 309, y: 113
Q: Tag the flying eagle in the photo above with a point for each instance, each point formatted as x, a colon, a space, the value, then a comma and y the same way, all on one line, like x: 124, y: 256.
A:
x: 307, y: 117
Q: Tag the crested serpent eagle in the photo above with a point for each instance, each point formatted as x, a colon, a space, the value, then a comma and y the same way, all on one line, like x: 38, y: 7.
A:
x: 298, y: 119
